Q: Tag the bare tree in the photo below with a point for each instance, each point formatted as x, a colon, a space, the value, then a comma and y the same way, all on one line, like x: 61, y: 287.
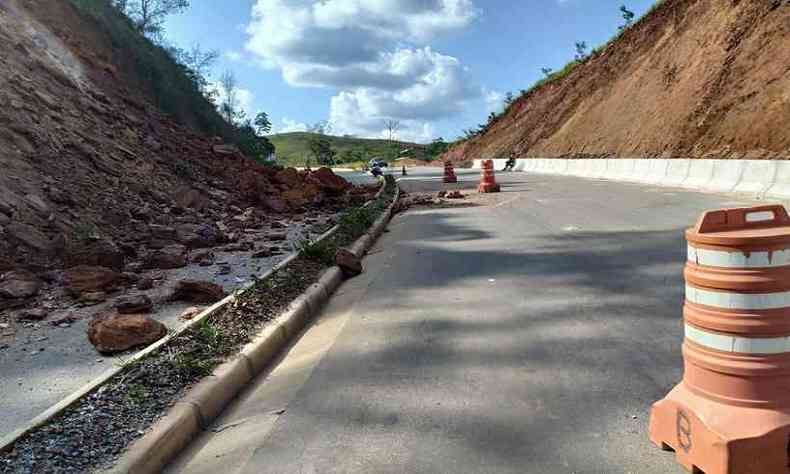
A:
x: 149, y: 15
x: 392, y: 126
x: 229, y: 107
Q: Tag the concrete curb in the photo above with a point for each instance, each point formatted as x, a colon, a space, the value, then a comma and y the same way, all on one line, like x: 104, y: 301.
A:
x: 205, y: 401
x: 758, y: 179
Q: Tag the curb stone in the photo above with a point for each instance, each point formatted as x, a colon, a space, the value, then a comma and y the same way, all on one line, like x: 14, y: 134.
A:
x: 204, y: 402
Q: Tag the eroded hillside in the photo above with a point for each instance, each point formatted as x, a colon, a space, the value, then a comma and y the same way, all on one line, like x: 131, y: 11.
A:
x: 694, y: 78
x: 88, y: 160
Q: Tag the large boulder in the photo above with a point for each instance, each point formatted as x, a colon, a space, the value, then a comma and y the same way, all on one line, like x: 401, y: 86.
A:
x: 97, y: 253
x: 134, y: 304
x: 19, y: 284
x: 86, y: 279
x: 194, y: 291
x: 111, y: 333
x: 169, y: 257
x: 191, y: 198
x: 349, y: 263
x: 328, y: 181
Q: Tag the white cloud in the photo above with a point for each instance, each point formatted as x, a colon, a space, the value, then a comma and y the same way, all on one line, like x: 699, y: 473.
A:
x: 495, y: 101
x: 289, y: 125
x: 371, y: 52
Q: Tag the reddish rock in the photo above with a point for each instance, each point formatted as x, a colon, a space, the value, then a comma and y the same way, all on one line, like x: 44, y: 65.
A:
x: 190, y: 313
x: 134, y: 304
x: 119, y: 332
x: 85, y: 279
x: 197, y: 292
x: 19, y: 284
x: 328, y: 181
x: 289, y: 177
x: 97, y: 253
x: 300, y: 196
x: 349, y: 263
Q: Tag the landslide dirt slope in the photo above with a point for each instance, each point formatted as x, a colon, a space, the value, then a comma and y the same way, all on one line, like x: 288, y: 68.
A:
x: 85, y: 154
x: 694, y: 78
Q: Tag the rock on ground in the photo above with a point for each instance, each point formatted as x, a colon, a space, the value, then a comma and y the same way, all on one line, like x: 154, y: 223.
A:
x: 197, y: 292
x: 19, y: 284
x: 350, y: 264
x: 111, y: 333
x: 85, y: 279
x: 134, y: 304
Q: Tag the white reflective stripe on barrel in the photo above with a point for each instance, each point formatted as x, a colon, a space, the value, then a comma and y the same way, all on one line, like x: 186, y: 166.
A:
x: 727, y: 300
x: 741, y: 345
x: 738, y: 259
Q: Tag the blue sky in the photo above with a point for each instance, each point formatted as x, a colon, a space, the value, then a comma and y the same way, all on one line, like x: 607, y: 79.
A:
x: 436, y: 66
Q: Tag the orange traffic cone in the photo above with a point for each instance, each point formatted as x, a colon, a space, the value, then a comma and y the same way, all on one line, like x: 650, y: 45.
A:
x: 449, y: 173
x: 488, y: 181
x: 731, y: 412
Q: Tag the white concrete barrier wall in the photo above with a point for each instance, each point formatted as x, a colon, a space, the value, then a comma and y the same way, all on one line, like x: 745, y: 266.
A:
x: 760, y: 179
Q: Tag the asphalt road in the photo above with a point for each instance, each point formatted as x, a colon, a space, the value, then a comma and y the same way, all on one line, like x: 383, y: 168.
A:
x: 527, y: 332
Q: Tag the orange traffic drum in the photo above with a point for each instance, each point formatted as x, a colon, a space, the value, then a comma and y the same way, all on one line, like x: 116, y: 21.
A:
x: 731, y: 412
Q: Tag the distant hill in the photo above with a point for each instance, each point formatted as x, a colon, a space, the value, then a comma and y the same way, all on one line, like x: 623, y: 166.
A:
x: 293, y: 148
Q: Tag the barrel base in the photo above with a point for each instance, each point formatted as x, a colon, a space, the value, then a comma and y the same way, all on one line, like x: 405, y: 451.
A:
x: 713, y: 438
x: 488, y: 188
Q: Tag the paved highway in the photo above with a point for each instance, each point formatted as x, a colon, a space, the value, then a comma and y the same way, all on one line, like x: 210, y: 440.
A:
x: 527, y: 332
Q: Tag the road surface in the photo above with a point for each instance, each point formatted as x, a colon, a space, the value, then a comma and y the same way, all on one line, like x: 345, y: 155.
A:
x: 527, y: 332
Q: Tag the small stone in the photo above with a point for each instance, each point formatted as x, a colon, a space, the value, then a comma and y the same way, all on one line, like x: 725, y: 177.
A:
x: 190, y: 313
x: 277, y: 236
x: 262, y: 253
x: 197, y: 291
x: 93, y: 298
x: 278, y: 225
x: 134, y: 304
x: 145, y: 283
x: 224, y: 270
x: 33, y: 315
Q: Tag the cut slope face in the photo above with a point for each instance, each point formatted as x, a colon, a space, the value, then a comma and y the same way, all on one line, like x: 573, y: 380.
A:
x: 84, y: 154
x: 694, y: 78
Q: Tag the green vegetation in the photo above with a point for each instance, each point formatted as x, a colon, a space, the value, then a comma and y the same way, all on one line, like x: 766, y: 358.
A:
x: 173, y: 87
x: 176, y: 79
x: 295, y: 148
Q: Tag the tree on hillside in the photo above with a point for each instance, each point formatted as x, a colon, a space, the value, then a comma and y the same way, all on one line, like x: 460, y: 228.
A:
x: 437, y: 147
x: 509, y: 99
x: 628, y: 16
x: 198, y: 63
x: 392, y: 126
x: 547, y: 71
x: 229, y: 107
x: 149, y: 16
x: 262, y: 123
x: 581, y: 50
x: 322, y: 150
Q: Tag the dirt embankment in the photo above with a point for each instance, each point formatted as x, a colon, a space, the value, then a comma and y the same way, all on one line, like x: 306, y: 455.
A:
x: 694, y: 78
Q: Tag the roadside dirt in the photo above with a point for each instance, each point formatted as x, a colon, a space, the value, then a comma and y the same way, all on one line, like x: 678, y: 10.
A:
x: 694, y: 78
